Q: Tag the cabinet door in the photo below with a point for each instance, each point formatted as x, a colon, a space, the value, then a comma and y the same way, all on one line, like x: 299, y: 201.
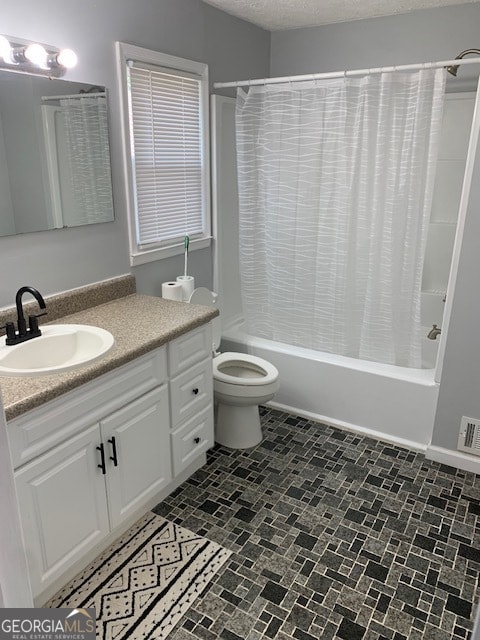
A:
x: 63, y: 509
x: 137, y: 445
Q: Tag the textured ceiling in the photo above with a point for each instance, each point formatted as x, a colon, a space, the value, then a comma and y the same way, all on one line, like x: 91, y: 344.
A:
x: 275, y: 15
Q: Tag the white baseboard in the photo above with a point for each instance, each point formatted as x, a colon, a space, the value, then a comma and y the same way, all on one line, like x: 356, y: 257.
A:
x: 347, y: 426
x: 457, y: 459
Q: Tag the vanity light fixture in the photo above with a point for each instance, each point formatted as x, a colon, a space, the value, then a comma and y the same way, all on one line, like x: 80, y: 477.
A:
x: 65, y: 58
x: 34, y: 58
x: 34, y: 53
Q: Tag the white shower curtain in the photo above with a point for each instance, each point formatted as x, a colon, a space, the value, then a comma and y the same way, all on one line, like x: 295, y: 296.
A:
x: 89, y: 196
x: 335, y: 189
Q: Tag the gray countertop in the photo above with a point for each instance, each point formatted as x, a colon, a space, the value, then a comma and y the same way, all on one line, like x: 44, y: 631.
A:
x: 138, y: 323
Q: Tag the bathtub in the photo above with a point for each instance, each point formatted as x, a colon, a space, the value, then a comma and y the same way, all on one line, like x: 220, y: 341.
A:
x: 391, y: 403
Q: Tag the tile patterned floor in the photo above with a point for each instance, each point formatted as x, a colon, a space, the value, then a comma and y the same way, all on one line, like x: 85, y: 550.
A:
x: 333, y: 536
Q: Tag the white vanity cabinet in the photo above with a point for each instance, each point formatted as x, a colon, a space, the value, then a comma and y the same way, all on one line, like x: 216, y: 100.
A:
x: 91, y: 461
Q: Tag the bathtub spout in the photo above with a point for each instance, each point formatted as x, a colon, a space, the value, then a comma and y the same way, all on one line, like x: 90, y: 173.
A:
x: 434, y: 332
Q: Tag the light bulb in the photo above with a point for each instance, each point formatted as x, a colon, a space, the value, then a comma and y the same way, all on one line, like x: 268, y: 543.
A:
x: 36, y: 54
x: 5, y: 50
x: 67, y: 58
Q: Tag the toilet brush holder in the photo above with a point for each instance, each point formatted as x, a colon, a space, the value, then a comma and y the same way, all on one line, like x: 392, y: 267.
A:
x: 188, y: 286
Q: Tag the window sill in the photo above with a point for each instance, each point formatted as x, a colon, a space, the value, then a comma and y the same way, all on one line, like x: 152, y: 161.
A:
x: 142, y: 257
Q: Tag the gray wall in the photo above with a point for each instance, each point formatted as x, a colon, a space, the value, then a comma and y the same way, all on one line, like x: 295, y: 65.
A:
x: 62, y: 259
x: 436, y: 34
x: 419, y: 36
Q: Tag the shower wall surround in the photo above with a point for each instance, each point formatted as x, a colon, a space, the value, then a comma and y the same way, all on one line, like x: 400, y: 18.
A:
x: 452, y: 155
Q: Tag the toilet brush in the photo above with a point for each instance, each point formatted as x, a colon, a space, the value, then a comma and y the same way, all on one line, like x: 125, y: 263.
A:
x: 188, y: 282
x: 186, y: 242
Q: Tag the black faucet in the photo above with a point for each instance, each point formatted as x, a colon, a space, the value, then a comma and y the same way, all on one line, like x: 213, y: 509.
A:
x: 22, y: 334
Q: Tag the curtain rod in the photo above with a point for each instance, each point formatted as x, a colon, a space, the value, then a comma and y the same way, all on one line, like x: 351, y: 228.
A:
x: 97, y: 94
x: 341, y: 74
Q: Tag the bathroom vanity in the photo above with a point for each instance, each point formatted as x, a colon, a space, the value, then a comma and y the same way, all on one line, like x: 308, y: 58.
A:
x: 95, y: 448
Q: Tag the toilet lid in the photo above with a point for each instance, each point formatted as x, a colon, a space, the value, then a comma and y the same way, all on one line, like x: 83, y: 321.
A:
x: 204, y: 296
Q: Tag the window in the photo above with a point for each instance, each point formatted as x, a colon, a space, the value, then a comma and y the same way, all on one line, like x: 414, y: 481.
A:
x: 165, y: 117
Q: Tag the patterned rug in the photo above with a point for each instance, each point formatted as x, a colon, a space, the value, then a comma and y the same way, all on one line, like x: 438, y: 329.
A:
x: 143, y: 583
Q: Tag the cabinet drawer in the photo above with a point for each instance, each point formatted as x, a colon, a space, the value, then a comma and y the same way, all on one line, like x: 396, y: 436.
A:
x: 191, y: 391
x: 191, y: 439
x: 37, y: 431
x: 189, y: 349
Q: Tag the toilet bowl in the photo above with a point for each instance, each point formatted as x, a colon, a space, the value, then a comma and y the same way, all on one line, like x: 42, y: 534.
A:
x: 240, y: 383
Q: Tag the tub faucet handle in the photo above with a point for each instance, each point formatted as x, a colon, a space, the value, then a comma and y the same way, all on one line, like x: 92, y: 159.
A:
x: 434, y: 332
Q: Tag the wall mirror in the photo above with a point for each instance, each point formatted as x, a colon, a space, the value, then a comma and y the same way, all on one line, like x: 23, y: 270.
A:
x: 54, y: 154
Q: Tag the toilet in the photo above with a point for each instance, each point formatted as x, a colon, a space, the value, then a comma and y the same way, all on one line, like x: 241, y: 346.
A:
x: 240, y: 383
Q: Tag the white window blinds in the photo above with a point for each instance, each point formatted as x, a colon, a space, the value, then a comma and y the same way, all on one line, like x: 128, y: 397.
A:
x: 168, y: 154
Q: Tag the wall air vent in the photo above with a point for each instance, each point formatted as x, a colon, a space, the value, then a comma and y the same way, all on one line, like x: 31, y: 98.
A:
x: 469, y: 438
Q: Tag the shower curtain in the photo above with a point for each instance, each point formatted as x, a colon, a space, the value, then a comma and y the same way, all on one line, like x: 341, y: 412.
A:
x: 335, y: 189
x: 89, y: 196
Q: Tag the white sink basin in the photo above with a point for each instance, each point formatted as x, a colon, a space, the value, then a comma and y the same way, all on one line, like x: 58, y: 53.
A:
x: 61, y: 347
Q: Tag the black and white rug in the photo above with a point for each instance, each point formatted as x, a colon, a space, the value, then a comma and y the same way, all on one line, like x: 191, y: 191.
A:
x: 143, y: 583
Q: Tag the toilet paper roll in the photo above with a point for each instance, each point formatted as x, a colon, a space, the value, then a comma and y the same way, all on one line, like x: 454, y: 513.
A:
x: 188, y: 285
x: 172, y: 291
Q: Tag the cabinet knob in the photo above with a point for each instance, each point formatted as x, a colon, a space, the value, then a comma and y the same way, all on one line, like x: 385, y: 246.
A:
x: 195, y: 391
x: 197, y: 440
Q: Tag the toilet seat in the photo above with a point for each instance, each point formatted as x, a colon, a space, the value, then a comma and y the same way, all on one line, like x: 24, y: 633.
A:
x: 253, y: 371
x: 232, y: 367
